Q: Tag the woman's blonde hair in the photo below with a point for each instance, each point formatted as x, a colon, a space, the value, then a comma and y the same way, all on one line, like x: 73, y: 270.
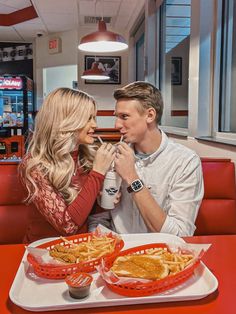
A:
x: 64, y: 112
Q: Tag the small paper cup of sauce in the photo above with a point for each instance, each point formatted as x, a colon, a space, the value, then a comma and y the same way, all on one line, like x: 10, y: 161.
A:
x: 79, y: 285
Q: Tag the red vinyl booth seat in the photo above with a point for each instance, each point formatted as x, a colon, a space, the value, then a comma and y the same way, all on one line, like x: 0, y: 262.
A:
x: 217, y: 213
x: 13, y: 213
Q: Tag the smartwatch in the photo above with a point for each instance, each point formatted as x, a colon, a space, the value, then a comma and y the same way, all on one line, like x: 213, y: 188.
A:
x: 135, y: 186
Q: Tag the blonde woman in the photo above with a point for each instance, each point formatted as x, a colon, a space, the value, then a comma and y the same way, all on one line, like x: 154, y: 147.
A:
x: 61, y: 171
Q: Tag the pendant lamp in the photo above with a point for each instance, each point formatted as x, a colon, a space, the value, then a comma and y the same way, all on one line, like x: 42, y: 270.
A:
x: 102, y: 40
x: 95, y: 73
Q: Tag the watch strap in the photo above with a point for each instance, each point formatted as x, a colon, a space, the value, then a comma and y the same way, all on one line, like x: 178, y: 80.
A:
x: 129, y: 189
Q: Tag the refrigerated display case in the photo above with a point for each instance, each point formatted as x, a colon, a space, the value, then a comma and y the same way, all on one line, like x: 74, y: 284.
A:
x: 16, y: 104
x: 16, y: 115
x: 12, y: 148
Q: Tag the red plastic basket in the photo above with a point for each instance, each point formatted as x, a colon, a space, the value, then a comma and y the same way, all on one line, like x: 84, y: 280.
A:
x: 138, y: 288
x: 61, y: 271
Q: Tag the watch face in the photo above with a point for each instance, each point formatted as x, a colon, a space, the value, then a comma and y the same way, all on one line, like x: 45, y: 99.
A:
x: 137, y: 185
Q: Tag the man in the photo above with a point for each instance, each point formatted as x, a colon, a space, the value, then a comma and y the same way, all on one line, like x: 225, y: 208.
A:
x: 162, y: 184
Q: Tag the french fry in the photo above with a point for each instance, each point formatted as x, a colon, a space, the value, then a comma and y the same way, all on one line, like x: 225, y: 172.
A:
x: 94, y: 248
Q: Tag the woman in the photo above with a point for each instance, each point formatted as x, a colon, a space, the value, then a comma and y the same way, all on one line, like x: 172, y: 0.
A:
x: 62, y: 173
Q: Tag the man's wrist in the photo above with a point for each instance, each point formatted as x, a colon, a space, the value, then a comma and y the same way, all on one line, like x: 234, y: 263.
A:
x: 135, y: 186
x: 129, y: 179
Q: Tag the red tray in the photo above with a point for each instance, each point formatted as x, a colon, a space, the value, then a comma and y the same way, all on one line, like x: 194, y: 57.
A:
x: 61, y: 271
x: 138, y: 288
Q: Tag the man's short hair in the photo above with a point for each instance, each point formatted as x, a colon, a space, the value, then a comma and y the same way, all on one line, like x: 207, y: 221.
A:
x: 147, y: 94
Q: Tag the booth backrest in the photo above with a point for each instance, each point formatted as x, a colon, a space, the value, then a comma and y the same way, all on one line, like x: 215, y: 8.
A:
x: 13, y: 213
x: 217, y: 213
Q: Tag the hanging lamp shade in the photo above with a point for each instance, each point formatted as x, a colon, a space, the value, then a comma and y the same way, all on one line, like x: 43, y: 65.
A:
x: 102, y: 40
x: 95, y: 73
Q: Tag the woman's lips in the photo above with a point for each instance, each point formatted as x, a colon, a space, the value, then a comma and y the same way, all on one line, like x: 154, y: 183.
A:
x: 91, y: 134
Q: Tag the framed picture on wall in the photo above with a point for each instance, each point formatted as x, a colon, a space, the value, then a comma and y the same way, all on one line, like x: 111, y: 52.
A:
x: 176, y: 70
x: 110, y: 65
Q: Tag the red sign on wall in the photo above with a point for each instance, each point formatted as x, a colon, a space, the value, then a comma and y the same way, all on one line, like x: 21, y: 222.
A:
x: 54, y: 45
x: 11, y: 83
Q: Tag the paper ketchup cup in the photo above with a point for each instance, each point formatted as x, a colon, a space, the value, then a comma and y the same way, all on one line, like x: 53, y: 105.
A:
x: 79, y: 285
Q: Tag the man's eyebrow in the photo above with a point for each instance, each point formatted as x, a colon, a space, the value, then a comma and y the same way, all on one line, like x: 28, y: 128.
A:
x: 118, y: 113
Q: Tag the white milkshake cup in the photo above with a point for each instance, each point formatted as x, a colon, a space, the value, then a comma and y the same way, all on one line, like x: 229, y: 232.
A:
x: 110, y: 189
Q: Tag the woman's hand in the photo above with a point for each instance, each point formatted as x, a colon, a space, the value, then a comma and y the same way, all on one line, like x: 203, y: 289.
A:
x: 104, y: 157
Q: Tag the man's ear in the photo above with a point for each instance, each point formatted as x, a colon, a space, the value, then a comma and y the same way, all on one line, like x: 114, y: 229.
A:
x: 151, y: 115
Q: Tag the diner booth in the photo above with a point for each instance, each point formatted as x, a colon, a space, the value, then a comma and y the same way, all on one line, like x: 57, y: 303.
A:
x: 186, y: 49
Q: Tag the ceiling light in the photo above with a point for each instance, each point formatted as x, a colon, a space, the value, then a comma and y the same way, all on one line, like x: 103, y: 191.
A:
x: 95, y: 73
x: 102, y: 40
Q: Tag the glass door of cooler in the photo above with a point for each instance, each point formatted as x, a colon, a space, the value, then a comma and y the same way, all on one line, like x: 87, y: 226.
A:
x: 30, y: 110
x: 16, y: 104
x: 12, y: 109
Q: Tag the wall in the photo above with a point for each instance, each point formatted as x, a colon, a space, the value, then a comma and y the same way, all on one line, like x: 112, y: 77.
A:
x: 177, y: 95
x: 102, y: 92
x: 180, y: 92
x: 70, y: 55
x: 42, y: 58
x: 55, y: 77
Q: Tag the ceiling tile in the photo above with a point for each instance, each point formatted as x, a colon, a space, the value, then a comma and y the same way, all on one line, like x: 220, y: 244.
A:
x: 12, y: 5
x: 8, y: 32
x: 55, y: 6
x: 64, y: 15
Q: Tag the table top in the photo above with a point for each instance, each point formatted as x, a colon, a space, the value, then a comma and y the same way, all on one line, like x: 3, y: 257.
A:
x: 219, y: 259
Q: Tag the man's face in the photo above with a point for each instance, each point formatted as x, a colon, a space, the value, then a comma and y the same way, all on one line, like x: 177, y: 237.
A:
x: 131, y: 124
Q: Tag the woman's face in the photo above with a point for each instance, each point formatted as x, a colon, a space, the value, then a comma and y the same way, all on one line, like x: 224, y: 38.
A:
x: 86, y: 135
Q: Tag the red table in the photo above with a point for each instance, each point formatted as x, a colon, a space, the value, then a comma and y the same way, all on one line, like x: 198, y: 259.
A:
x: 220, y: 259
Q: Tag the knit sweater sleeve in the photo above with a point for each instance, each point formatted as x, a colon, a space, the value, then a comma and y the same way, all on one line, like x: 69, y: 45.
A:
x: 80, y: 208
x: 66, y: 219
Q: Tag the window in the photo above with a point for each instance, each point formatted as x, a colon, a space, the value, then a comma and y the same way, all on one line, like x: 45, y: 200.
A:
x: 227, y: 97
x: 140, y: 58
x: 175, y: 37
x: 197, y: 77
x: 139, y: 38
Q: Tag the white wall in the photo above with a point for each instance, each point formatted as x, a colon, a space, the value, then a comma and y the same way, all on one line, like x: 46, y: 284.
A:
x: 179, y: 92
x: 176, y: 96
x: 70, y: 55
x: 42, y: 58
x: 103, y: 92
x: 55, y: 77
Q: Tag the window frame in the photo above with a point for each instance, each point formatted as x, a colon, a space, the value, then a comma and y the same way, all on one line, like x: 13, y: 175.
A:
x: 223, y: 76
x: 204, y: 73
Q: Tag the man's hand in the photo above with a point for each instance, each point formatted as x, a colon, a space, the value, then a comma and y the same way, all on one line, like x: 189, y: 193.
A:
x: 125, y: 162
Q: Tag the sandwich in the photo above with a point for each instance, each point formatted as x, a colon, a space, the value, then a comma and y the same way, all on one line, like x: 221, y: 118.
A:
x: 140, y: 266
